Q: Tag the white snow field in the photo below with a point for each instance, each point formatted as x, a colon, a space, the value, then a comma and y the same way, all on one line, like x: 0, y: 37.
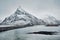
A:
x: 21, y: 33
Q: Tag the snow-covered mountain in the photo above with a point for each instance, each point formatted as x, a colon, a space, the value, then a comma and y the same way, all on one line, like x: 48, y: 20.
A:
x: 0, y: 21
x: 21, y: 17
x: 51, y: 20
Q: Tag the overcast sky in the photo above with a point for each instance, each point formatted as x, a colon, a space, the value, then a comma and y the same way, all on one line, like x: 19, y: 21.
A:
x: 38, y: 8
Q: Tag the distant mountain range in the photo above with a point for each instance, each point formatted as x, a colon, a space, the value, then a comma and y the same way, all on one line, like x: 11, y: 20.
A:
x: 21, y: 17
x: 50, y: 20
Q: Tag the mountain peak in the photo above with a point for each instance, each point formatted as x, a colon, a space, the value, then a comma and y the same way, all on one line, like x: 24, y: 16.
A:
x: 20, y: 11
x: 21, y: 17
x: 51, y: 18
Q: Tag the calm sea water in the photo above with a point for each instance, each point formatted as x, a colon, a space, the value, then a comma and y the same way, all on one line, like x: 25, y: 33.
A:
x: 20, y: 34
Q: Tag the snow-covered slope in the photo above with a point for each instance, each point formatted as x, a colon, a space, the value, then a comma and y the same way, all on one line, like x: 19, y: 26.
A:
x: 0, y: 21
x: 51, y: 20
x: 58, y: 22
x: 21, y: 17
